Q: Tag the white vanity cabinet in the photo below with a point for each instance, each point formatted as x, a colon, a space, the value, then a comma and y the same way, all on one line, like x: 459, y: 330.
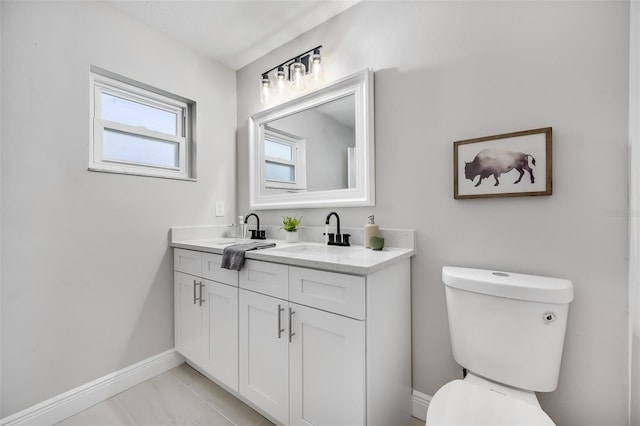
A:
x: 206, y: 314
x: 305, y: 344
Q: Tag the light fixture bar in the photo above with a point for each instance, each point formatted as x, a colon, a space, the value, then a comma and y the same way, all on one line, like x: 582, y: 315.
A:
x: 304, y: 57
x: 292, y: 75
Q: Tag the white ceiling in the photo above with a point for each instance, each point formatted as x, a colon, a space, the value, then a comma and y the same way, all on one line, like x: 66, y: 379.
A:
x: 233, y: 32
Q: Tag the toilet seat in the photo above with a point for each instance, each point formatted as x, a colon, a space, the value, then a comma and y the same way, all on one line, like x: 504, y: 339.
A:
x: 461, y: 402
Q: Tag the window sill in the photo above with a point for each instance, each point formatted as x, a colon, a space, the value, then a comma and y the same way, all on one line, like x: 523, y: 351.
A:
x: 94, y: 169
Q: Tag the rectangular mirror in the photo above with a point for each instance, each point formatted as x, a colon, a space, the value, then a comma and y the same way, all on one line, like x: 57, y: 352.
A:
x: 316, y: 150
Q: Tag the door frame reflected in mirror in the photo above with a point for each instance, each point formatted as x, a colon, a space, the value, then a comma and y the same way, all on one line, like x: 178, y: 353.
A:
x: 362, y: 191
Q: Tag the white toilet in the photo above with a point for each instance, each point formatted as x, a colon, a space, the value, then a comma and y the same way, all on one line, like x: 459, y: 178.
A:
x: 507, y: 331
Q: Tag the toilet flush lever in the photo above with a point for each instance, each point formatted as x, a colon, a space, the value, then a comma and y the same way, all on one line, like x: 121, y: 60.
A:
x: 549, y: 317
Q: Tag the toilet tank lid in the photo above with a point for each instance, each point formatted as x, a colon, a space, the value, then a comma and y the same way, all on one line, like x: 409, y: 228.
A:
x: 508, y: 284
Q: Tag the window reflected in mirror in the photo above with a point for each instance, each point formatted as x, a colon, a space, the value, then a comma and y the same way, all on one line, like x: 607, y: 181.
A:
x: 324, y: 135
x: 284, y: 160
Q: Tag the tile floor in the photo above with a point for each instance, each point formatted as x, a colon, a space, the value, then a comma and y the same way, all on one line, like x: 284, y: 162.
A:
x: 181, y: 396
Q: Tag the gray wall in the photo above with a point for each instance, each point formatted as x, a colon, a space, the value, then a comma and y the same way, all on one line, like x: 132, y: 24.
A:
x: 446, y: 71
x: 634, y: 210
x: 86, y: 268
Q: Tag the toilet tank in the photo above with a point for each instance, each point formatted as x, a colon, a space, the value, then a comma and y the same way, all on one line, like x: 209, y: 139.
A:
x: 508, y: 327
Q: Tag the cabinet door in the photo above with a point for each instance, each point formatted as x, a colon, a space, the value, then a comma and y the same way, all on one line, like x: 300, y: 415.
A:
x: 330, y: 291
x: 220, y: 318
x: 211, y: 269
x: 327, y: 371
x: 266, y: 278
x: 264, y: 353
x: 188, y: 318
x: 187, y: 261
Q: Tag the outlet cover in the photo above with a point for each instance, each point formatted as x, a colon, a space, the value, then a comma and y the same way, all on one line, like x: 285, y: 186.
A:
x: 219, y: 208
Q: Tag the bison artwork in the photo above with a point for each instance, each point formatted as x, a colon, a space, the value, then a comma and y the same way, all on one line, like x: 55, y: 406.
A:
x: 494, y: 162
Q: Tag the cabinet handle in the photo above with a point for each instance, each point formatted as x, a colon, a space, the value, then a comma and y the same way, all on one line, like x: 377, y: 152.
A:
x: 280, y: 329
x: 194, y: 292
x: 291, y: 333
x: 201, y: 299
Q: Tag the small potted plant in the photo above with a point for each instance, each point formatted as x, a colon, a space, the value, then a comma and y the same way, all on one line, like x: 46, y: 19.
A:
x: 290, y: 225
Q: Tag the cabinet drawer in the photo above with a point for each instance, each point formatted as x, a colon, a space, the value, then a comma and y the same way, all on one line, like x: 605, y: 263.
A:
x: 329, y: 291
x: 187, y: 261
x: 265, y: 278
x: 211, y: 270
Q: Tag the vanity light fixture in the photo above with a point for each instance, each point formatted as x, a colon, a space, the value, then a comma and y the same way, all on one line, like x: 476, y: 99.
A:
x: 291, y: 75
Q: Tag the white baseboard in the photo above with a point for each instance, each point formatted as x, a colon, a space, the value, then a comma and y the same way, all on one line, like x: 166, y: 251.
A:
x: 419, y: 405
x: 60, y: 407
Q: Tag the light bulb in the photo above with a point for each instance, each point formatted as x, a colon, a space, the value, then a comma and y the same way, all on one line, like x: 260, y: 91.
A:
x: 265, y: 89
x: 297, y: 73
x: 281, y: 82
x: 316, y: 71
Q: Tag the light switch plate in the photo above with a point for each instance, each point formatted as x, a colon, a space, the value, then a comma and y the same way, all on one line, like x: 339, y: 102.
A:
x: 219, y: 208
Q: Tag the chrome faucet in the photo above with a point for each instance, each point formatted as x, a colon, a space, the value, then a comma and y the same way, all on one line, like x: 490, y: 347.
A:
x: 256, y: 234
x: 336, y: 239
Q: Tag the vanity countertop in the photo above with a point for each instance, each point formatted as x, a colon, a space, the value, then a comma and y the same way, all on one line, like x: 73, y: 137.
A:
x: 356, y: 260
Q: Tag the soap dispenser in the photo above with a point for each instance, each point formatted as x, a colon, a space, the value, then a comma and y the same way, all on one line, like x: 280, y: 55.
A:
x: 370, y: 230
x: 241, y: 227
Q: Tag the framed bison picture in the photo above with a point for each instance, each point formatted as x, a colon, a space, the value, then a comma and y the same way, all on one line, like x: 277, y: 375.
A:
x: 509, y: 165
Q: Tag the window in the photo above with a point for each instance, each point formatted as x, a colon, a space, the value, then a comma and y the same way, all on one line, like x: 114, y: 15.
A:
x: 136, y: 129
x: 284, y: 160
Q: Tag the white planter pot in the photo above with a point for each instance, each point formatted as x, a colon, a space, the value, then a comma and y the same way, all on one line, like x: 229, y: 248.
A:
x: 292, y: 237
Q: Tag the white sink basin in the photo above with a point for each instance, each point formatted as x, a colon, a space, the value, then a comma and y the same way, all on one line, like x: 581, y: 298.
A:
x: 221, y: 241
x: 318, y: 249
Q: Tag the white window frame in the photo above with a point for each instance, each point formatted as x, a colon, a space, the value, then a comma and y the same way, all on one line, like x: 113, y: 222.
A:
x: 155, y: 98
x: 299, y: 162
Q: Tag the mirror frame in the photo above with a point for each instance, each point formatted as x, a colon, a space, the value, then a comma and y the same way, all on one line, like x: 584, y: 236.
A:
x: 363, y: 194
